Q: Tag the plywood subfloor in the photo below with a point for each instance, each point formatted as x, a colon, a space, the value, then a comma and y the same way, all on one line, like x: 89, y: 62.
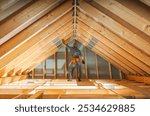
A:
x: 85, y: 83
x: 63, y: 89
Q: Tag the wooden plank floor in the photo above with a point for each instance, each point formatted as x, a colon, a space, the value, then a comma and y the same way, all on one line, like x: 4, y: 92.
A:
x: 63, y: 89
x: 85, y: 83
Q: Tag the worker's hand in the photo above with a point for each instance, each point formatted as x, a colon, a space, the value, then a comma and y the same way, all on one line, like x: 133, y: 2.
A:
x: 83, y: 62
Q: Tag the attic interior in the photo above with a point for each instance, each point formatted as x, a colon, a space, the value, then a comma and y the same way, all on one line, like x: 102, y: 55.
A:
x: 112, y: 35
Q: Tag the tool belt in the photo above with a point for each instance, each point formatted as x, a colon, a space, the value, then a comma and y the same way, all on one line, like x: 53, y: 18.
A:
x: 74, y: 60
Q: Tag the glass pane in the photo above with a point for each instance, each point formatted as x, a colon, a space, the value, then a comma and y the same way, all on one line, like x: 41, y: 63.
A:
x: 115, y: 72
x: 38, y: 71
x: 61, y: 63
x: 103, y: 69
x: 91, y: 64
x: 50, y: 67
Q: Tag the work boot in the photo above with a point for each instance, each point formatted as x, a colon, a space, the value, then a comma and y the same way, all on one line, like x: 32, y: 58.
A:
x: 79, y: 79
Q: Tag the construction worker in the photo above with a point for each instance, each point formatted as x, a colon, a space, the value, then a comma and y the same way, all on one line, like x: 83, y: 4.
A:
x: 75, y: 61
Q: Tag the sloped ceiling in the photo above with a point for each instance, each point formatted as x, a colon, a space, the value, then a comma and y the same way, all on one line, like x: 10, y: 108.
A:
x: 119, y: 30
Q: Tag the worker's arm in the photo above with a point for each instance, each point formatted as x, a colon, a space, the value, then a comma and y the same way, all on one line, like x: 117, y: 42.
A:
x: 81, y: 57
x: 66, y: 45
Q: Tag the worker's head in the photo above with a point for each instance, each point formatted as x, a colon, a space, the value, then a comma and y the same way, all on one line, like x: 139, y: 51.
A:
x: 75, y: 45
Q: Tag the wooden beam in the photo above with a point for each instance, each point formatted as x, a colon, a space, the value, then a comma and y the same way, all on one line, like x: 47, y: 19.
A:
x: 103, y: 55
x: 110, y: 71
x: 137, y: 7
x: 2, y: 72
x: 6, y: 4
x: 33, y: 72
x: 66, y: 63
x: 38, y: 58
x: 147, y: 2
x: 6, y: 80
x: 21, y: 96
x: 120, y: 74
x: 96, y: 66
x: 44, y: 69
x: 147, y: 80
x: 18, y: 72
x: 107, y: 51
x: 26, y: 17
x: 46, y: 48
x: 53, y: 50
x: 29, y: 52
x: 115, y: 27
x: 116, y: 60
x: 86, y: 73
x: 36, y: 39
x: 34, y: 29
x: 37, y: 95
x: 114, y: 42
x: 135, y: 78
x: 11, y: 73
x: 9, y: 10
x: 25, y: 72
x: 43, y: 56
x: 43, y: 41
x: 126, y: 14
x: 55, y: 65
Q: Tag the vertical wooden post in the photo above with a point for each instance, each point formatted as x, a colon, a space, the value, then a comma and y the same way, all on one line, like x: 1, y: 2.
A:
x: 44, y: 69
x: 97, y: 75
x: 33, y: 73
x: 55, y: 65
x: 86, y: 74
x: 110, y: 73
x: 120, y: 74
x: 66, y: 63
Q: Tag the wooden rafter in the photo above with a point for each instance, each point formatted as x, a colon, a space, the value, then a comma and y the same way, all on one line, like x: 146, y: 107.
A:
x: 116, y: 43
x: 38, y: 48
x: 80, y: 39
x: 48, y: 51
x: 108, y: 45
x: 115, y: 27
x: 34, y: 29
x: 7, y: 9
x: 26, y: 17
x: 36, y: 39
x: 126, y: 14
x: 97, y: 48
x: 147, y: 2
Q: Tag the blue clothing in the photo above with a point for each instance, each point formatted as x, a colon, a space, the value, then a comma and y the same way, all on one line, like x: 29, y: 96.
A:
x: 78, y: 64
x: 76, y: 53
